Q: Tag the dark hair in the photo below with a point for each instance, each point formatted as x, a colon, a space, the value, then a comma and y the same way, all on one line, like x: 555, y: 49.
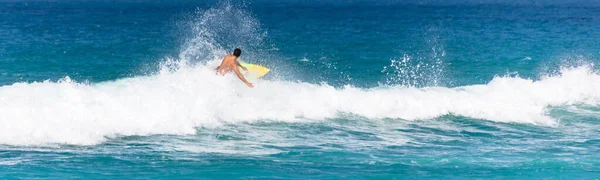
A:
x: 237, y: 52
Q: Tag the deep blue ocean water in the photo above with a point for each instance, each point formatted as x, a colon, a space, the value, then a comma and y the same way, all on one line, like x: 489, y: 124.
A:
x: 357, y: 90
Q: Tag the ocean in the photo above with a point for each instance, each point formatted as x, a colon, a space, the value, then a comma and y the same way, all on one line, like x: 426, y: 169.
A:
x: 357, y: 90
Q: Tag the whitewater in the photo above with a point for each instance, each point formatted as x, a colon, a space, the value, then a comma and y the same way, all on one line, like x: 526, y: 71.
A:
x: 178, y: 102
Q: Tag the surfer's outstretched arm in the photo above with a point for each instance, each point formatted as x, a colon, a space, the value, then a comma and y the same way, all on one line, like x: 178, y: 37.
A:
x: 239, y: 75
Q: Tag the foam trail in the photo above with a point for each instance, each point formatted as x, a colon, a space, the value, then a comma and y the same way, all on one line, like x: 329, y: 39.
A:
x: 177, y: 102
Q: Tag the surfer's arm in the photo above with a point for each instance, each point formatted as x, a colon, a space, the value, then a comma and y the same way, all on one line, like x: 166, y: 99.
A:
x: 240, y: 65
x: 239, y: 75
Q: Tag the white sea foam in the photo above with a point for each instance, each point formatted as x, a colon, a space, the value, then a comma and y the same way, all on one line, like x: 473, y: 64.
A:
x: 177, y: 102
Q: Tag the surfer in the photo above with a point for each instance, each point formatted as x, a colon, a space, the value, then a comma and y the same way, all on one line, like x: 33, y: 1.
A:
x: 230, y: 63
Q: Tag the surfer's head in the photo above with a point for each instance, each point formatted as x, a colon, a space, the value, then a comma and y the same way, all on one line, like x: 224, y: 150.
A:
x: 237, y: 52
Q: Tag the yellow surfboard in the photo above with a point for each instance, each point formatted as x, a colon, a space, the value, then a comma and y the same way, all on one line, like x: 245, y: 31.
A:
x: 254, y: 71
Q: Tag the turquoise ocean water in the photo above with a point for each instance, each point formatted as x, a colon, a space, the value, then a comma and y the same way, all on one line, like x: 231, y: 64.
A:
x: 357, y: 90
